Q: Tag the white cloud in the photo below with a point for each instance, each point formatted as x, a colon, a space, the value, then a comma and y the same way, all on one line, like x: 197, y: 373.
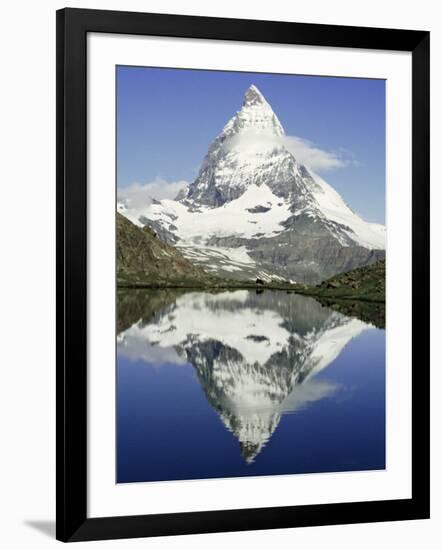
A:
x: 137, y: 196
x: 313, y: 157
x: 132, y: 346
x: 305, y: 152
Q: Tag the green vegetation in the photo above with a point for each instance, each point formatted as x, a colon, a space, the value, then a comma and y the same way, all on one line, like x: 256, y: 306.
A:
x: 144, y: 260
x: 364, y: 283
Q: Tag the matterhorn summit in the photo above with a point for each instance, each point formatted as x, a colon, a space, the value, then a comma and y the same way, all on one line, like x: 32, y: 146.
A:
x: 256, y: 114
x: 255, y: 211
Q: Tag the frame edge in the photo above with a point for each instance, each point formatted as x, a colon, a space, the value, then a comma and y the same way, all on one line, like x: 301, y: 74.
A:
x: 71, y: 276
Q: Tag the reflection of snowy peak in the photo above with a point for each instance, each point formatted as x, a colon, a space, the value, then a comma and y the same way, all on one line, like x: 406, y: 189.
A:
x: 255, y: 210
x: 255, y: 371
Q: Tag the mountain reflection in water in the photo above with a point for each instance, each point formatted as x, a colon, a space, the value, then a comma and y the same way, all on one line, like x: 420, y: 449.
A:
x: 256, y: 356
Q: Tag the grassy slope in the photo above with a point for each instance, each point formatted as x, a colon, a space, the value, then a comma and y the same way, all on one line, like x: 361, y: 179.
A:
x: 364, y: 283
x: 142, y: 259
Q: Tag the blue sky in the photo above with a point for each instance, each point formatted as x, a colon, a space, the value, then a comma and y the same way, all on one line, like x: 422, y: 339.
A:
x: 167, y: 118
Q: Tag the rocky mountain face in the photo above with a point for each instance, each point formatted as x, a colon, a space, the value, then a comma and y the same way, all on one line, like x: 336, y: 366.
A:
x: 252, y: 375
x: 255, y: 211
x: 142, y: 257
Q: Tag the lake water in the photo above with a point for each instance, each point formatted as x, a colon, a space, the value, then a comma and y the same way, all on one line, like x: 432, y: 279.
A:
x: 243, y: 384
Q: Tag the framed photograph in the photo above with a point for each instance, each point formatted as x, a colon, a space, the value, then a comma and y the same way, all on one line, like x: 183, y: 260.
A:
x: 242, y: 275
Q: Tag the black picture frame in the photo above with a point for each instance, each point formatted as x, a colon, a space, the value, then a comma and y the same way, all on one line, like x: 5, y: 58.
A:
x: 71, y: 428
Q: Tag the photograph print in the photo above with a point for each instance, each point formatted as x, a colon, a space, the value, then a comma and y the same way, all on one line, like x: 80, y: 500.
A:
x: 250, y: 258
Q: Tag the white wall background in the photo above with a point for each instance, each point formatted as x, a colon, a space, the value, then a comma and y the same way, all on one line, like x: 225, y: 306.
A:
x: 27, y: 272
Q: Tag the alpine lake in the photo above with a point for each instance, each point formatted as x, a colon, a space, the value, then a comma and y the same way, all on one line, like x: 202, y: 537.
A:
x: 245, y: 383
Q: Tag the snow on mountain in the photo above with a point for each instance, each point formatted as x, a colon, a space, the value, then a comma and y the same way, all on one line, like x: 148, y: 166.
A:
x: 249, y: 194
x: 255, y: 213
x: 332, y: 206
x: 263, y: 368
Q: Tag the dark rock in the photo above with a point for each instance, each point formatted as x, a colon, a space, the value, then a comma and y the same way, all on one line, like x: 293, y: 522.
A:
x: 259, y: 209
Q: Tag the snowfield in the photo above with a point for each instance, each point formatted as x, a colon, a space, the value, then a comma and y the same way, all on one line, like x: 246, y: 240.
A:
x: 231, y: 219
x: 241, y: 218
x: 333, y: 207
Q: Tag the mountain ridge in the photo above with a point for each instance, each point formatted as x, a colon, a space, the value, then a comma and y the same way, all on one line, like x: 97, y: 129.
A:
x: 255, y: 211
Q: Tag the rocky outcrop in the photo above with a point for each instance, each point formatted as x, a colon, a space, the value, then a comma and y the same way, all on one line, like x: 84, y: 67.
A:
x: 141, y: 257
x: 366, y: 283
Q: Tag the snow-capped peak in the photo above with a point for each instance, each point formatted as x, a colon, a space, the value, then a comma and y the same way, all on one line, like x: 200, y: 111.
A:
x: 253, y: 96
x: 251, y: 188
x: 245, y: 152
x: 256, y: 114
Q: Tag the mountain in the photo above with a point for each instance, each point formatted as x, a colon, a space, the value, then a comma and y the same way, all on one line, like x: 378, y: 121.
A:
x: 141, y: 257
x: 255, y: 211
x: 252, y: 375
